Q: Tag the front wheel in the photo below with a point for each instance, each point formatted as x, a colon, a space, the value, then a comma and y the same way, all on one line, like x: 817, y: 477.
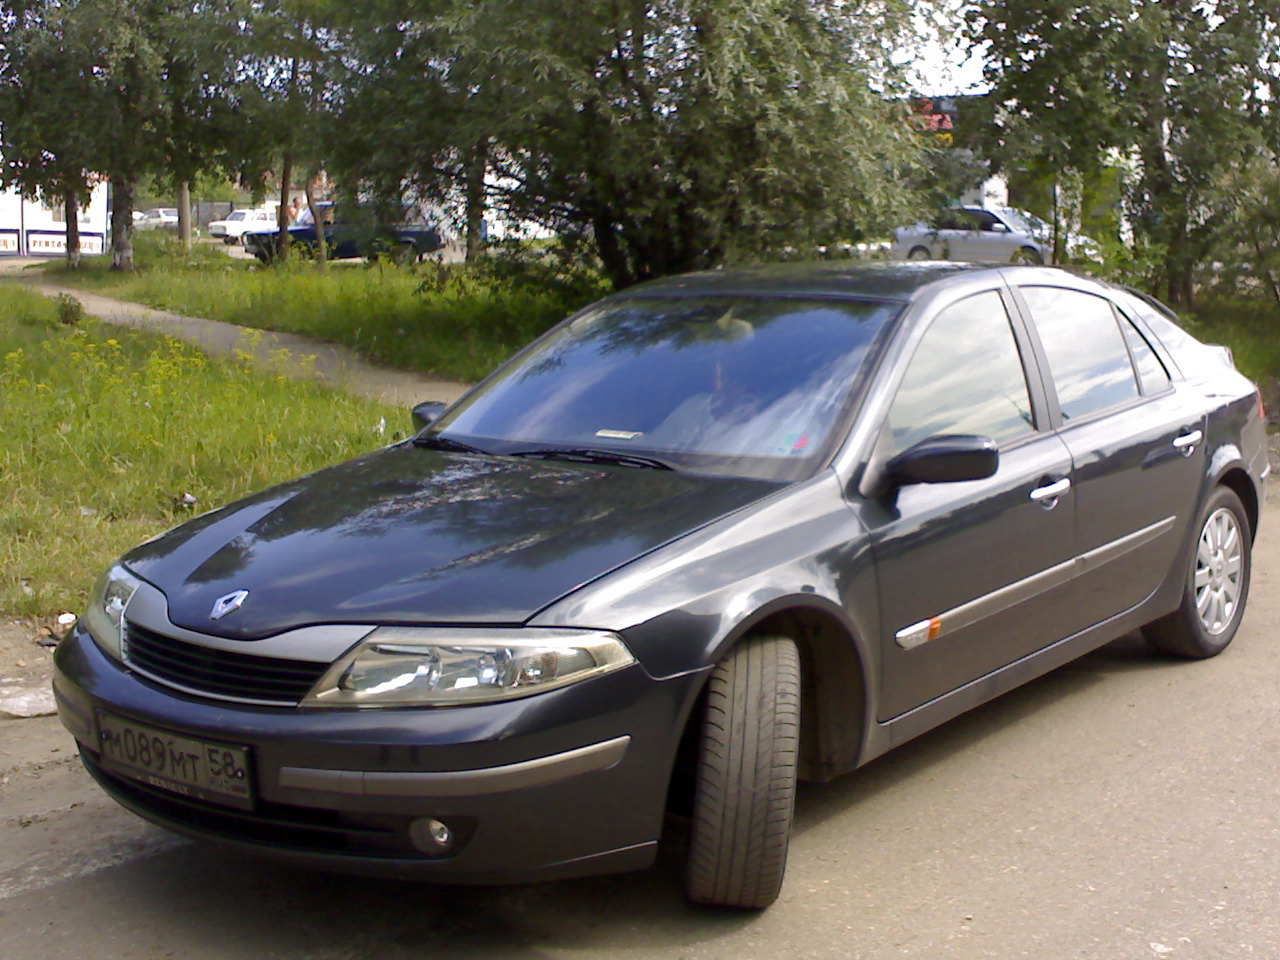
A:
x: 919, y: 253
x: 1216, y: 586
x: 746, y: 776
x: 1026, y: 255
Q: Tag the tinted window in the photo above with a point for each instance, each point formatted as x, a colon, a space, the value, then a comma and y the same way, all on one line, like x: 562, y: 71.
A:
x: 750, y: 386
x: 1152, y: 376
x: 1085, y: 349
x: 965, y: 377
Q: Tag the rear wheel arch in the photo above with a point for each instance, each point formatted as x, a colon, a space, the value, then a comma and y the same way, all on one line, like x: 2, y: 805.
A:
x: 1239, y: 482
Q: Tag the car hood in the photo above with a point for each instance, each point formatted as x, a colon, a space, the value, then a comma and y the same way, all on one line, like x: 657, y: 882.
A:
x: 411, y: 535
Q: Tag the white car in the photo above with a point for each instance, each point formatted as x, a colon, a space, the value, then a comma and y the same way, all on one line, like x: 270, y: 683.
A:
x: 158, y: 218
x: 239, y: 222
x: 1000, y: 235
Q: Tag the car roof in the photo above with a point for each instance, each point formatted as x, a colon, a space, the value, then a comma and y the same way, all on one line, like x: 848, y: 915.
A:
x: 879, y: 280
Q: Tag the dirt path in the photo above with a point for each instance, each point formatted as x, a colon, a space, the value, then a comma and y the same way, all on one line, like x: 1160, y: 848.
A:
x: 332, y: 363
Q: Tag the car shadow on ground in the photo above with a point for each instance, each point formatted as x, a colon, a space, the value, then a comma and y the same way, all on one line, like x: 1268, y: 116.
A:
x: 248, y: 907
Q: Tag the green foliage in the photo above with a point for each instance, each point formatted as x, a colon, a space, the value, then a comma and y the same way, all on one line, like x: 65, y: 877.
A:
x: 453, y: 320
x: 678, y: 135
x: 1249, y: 328
x: 106, y: 430
x: 1247, y: 251
x: 1179, y: 90
x: 70, y: 312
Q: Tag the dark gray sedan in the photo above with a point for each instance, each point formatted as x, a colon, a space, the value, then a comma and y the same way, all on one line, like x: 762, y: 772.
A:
x: 707, y: 536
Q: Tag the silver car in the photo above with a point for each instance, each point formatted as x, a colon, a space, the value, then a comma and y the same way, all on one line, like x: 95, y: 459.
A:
x: 972, y: 233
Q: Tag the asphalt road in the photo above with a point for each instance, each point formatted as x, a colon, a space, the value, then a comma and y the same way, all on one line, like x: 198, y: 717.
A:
x: 1121, y: 807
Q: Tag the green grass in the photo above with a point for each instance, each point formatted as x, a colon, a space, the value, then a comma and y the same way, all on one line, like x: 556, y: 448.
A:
x: 103, y: 431
x: 1251, y: 328
x: 454, y: 321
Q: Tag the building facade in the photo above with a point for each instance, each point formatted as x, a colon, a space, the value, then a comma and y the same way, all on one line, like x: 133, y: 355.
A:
x: 38, y: 229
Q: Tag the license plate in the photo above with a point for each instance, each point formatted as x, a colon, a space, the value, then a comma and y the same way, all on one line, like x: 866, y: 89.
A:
x: 193, y: 768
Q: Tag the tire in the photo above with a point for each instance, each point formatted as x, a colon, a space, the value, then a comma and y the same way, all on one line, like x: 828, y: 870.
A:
x: 405, y: 254
x: 744, y: 796
x: 919, y: 253
x: 1223, y: 541
x: 1026, y: 255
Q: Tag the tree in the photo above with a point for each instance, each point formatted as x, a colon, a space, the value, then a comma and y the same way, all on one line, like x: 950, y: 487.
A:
x: 292, y: 59
x: 1177, y: 86
x: 43, y: 80
x: 677, y: 135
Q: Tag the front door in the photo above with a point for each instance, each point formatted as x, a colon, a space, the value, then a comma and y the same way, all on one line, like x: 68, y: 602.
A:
x: 970, y: 573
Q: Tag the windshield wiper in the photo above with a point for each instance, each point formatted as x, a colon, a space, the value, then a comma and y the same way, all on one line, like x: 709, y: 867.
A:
x: 438, y: 442
x: 590, y: 455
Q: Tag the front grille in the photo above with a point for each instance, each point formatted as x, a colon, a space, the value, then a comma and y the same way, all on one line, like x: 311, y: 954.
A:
x: 219, y: 673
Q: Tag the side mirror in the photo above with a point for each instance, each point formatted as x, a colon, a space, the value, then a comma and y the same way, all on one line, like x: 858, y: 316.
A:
x: 425, y: 414
x: 948, y: 458
x: 998, y: 227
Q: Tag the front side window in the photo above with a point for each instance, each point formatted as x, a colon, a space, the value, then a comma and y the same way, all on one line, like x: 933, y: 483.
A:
x: 746, y: 386
x: 1085, y: 349
x: 966, y: 376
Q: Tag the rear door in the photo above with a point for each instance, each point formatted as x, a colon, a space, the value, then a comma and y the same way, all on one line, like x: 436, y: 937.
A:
x: 967, y: 572
x: 1136, y: 444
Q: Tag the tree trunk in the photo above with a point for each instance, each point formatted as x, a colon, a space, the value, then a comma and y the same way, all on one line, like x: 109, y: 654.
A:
x: 71, y: 210
x: 184, y: 215
x: 317, y: 222
x: 1056, y: 256
x: 286, y: 175
x: 121, y: 224
x: 612, y: 256
x: 476, y: 166
x: 282, y: 211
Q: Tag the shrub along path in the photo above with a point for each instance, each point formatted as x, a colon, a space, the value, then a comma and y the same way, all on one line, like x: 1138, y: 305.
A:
x: 289, y: 353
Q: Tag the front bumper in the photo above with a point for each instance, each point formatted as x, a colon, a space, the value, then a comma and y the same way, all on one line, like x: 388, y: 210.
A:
x: 566, y: 783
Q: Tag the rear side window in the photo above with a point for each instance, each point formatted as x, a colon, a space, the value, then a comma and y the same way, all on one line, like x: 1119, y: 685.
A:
x: 1084, y: 346
x: 1152, y: 376
x: 965, y: 377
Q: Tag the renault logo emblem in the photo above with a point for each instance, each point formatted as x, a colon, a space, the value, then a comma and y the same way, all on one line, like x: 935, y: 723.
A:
x: 228, y: 604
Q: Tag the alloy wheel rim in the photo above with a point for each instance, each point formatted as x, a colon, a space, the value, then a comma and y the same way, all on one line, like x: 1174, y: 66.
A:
x: 1219, y: 571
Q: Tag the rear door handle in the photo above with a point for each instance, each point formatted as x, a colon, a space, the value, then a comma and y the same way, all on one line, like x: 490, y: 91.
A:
x: 1187, y: 442
x: 1051, y: 491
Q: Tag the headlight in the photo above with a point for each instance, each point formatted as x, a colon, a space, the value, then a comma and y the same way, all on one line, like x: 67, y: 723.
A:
x: 105, y: 616
x: 436, y: 667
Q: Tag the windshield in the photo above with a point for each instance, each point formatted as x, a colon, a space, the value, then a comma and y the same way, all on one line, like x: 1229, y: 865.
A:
x: 1018, y: 220
x: 238, y: 215
x: 724, y: 385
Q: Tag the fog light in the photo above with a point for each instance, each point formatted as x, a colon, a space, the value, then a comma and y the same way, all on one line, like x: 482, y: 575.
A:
x: 431, y: 836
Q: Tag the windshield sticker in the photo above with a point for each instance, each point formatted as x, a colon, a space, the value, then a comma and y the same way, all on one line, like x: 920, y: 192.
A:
x: 619, y: 434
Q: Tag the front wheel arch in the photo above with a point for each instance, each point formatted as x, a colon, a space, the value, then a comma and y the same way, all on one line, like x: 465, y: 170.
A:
x: 836, y: 670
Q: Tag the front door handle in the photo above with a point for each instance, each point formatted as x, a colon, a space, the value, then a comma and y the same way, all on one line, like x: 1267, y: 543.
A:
x: 1187, y: 442
x: 1049, y: 493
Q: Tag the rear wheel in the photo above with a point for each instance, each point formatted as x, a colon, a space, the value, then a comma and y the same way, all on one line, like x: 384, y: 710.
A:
x: 746, y: 776
x: 919, y: 253
x: 1216, y: 586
